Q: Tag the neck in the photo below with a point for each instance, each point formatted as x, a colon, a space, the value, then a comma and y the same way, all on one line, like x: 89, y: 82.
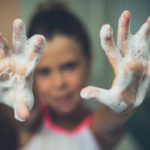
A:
x: 71, y: 120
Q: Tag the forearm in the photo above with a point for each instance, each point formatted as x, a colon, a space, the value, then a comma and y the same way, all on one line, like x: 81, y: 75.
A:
x: 109, y: 126
x: 109, y: 120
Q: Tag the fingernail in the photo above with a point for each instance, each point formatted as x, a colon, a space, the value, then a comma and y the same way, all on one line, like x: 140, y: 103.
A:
x: 40, y: 40
x: 126, y: 17
x: 126, y: 14
x: 148, y: 20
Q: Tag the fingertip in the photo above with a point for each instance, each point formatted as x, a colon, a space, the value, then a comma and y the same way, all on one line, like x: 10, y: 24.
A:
x: 18, y: 23
x: 82, y: 93
x: 126, y: 17
x: 106, y: 31
x: 126, y: 14
x: 90, y: 92
x: 40, y: 40
x: 148, y: 21
x: 22, y: 111
x: 85, y: 92
x: 107, y: 27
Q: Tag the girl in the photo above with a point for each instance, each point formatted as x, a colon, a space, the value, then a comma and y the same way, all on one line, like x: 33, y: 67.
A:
x: 59, y: 119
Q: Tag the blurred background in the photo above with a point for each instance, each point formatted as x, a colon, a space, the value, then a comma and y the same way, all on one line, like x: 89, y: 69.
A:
x: 93, y: 14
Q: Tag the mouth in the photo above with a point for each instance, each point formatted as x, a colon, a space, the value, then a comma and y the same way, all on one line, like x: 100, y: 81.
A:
x: 63, y: 100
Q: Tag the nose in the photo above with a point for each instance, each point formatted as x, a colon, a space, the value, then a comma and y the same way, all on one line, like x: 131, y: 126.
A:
x: 58, y: 81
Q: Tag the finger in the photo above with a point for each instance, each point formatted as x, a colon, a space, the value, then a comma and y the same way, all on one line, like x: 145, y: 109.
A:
x: 36, y: 46
x: 144, y: 31
x: 142, y: 41
x: 123, y: 32
x: 108, y: 45
x: 19, y: 35
x: 21, y: 112
x: 123, y: 26
x: 107, y: 97
x: 3, y: 46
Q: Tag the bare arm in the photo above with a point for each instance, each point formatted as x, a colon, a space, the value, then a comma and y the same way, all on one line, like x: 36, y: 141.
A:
x: 131, y: 64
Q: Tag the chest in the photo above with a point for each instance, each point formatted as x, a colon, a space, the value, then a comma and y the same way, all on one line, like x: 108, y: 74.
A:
x: 52, y: 140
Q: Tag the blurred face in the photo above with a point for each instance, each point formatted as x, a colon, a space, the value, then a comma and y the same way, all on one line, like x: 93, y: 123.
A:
x: 61, y: 74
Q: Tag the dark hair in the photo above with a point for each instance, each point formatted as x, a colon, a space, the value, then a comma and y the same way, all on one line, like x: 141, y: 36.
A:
x: 53, y: 18
x: 8, y: 129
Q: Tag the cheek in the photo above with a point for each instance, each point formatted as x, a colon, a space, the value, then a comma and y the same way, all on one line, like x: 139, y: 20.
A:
x: 41, y: 85
x: 77, y: 79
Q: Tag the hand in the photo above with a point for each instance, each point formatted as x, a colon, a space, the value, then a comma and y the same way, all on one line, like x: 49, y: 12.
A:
x: 17, y: 68
x: 131, y: 64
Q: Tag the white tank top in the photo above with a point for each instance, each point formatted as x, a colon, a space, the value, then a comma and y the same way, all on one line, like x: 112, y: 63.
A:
x: 53, y: 137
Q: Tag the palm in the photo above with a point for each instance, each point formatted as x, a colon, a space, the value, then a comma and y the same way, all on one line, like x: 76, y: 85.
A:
x: 130, y: 61
x: 16, y: 69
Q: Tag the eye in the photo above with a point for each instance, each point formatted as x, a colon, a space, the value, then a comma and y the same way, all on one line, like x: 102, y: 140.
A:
x: 69, y: 66
x: 43, y: 71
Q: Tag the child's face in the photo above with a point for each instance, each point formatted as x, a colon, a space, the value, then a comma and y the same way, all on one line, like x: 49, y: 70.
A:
x: 61, y: 74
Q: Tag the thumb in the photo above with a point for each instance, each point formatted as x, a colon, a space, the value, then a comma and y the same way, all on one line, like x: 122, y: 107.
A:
x: 108, y: 97
x: 94, y: 93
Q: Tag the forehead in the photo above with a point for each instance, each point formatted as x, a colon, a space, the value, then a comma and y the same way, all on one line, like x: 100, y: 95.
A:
x: 60, y: 50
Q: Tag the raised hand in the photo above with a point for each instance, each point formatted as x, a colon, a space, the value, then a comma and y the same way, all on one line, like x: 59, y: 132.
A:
x: 16, y: 69
x: 131, y: 64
